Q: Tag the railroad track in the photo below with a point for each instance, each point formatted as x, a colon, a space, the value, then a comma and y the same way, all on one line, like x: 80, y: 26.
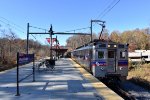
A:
x: 123, y: 93
x: 116, y: 87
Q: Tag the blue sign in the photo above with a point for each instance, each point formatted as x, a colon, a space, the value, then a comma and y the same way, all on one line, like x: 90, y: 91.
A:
x: 25, y: 58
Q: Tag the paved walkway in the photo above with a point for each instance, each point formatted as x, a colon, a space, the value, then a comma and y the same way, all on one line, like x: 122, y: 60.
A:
x: 64, y: 83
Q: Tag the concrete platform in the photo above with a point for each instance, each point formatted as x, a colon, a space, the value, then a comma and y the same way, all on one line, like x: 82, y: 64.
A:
x: 68, y: 81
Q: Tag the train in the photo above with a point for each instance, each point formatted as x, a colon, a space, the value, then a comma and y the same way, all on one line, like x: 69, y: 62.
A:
x: 104, y: 59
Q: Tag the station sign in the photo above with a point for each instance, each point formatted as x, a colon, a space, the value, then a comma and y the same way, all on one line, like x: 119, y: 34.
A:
x: 25, y: 58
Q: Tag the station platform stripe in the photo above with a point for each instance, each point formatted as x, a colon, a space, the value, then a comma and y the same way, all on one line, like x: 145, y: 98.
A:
x: 101, y: 88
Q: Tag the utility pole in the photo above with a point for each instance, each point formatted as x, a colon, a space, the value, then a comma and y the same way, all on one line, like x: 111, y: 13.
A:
x: 27, y: 48
x: 91, y: 31
x: 56, y: 46
x: 51, y: 33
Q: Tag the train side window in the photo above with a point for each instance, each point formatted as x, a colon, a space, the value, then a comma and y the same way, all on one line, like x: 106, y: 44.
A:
x: 111, y: 54
x: 100, y: 54
x: 122, y: 54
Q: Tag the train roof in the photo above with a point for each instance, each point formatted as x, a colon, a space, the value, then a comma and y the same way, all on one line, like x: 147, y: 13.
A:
x: 102, y: 41
x: 84, y: 47
x: 95, y: 41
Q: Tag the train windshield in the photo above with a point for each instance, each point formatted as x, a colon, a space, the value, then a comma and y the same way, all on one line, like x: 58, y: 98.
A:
x: 100, y: 54
x: 122, y: 54
x: 111, y: 54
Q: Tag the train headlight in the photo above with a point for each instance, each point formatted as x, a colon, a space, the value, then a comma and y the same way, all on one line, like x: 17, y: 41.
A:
x: 115, y: 45
x: 108, y: 45
x: 121, y: 68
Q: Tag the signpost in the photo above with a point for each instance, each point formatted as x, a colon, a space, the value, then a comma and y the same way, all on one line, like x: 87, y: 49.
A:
x: 24, y: 59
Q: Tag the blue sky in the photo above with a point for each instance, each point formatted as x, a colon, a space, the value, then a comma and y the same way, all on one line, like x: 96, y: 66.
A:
x: 67, y: 15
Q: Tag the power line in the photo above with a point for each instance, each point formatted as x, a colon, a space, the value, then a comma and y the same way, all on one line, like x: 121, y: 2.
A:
x: 5, y: 23
x: 103, y: 13
x: 33, y: 36
x: 12, y: 23
x: 39, y: 28
x: 78, y: 29
x: 19, y: 27
x: 105, y: 9
x: 110, y: 8
x: 12, y: 26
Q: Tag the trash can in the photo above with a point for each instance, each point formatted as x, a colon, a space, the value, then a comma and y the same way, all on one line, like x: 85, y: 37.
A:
x: 52, y: 61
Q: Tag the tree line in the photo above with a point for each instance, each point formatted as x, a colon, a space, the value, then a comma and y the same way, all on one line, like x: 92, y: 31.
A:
x: 10, y: 44
x: 137, y: 39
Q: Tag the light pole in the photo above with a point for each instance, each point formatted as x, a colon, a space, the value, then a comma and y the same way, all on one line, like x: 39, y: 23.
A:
x: 51, y: 33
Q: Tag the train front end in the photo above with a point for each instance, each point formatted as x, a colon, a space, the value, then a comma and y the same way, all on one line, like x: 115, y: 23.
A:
x: 110, y: 60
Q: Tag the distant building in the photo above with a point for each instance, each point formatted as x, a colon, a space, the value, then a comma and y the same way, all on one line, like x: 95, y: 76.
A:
x: 139, y: 55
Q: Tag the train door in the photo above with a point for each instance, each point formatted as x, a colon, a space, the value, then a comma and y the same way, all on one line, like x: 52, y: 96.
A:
x: 111, y: 60
x: 90, y: 60
x: 123, y: 61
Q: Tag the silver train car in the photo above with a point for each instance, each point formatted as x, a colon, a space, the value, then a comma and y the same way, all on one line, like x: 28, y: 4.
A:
x: 104, y: 59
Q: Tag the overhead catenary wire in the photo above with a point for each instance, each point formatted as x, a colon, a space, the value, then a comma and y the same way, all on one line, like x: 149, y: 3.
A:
x: 105, y: 10
x: 19, y: 28
x: 39, y: 28
x: 107, y: 7
x: 102, y: 14
x: 110, y: 8
x: 33, y: 36
x: 12, y: 23
x: 8, y: 24
x: 78, y: 29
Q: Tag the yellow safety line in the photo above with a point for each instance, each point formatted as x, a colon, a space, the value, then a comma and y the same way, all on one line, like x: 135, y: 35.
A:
x: 101, y: 88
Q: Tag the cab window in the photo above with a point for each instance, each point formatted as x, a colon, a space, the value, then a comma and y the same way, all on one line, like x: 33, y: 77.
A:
x: 122, y: 54
x: 111, y: 54
x: 100, y: 54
